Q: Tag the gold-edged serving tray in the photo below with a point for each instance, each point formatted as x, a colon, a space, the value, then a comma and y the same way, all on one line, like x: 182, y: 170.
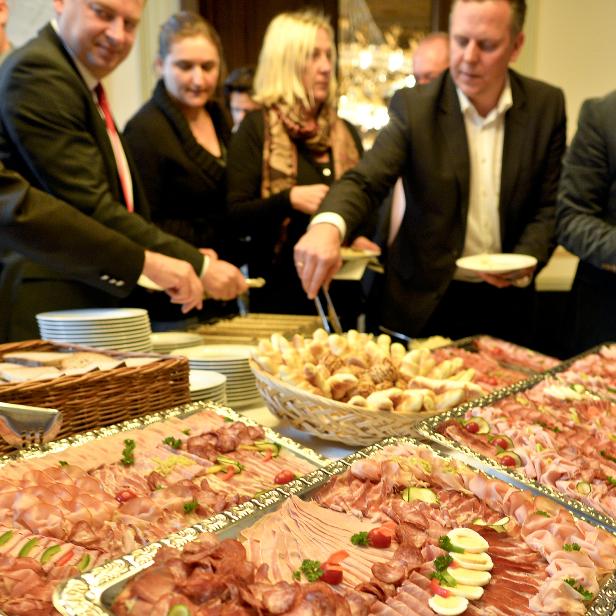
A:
x: 93, y: 593
x: 429, y: 429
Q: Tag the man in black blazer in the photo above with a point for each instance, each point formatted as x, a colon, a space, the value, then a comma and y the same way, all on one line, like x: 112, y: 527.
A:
x: 586, y: 224
x: 479, y: 150
x: 54, y: 133
x: 51, y: 232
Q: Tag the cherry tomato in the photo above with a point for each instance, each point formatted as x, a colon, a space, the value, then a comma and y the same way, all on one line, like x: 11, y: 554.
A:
x: 332, y: 574
x: 379, y: 538
x: 472, y: 426
x: 437, y: 589
x: 507, y: 461
x: 503, y: 443
x: 284, y: 477
x: 125, y: 495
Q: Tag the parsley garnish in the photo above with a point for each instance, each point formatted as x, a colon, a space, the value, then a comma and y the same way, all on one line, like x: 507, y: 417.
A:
x: 442, y: 562
x: 607, y: 456
x: 611, y: 480
x: 444, y: 578
x: 176, y: 443
x: 190, y: 506
x: 186, y: 432
x: 444, y: 543
x: 311, y: 570
x: 545, y: 514
x: 228, y: 419
x: 63, y: 463
x: 128, y: 453
x: 546, y: 427
x: 360, y: 538
x: 579, y: 588
x: 571, y: 547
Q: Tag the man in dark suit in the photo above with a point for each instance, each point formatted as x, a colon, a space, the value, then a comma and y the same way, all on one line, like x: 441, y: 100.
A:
x: 55, y: 134
x: 586, y: 224
x: 479, y: 150
x: 49, y: 231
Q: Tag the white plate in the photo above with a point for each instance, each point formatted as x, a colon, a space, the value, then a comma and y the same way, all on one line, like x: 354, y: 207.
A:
x: 350, y: 254
x: 93, y: 314
x: 205, y: 379
x: 215, y: 353
x: 175, y: 339
x: 496, y: 263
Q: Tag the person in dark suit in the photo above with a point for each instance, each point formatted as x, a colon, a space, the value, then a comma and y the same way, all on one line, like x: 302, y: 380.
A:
x: 586, y: 224
x: 479, y: 150
x: 179, y: 141
x: 49, y: 231
x: 57, y: 131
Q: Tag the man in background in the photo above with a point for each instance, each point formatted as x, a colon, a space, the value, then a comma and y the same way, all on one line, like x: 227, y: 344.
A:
x: 479, y: 150
x: 58, y: 132
x: 431, y: 57
x: 238, y: 93
x: 5, y: 44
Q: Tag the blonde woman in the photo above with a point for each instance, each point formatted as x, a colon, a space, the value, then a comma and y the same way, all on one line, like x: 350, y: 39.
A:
x: 285, y: 156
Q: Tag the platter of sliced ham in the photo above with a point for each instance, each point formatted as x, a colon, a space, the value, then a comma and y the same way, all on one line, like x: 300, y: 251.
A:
x: 395, y: 530
x: 558, y: 431
x: 90, y: 498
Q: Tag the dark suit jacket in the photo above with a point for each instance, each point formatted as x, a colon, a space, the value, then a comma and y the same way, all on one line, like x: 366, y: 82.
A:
x: 425, y: 143
x: 52, y: 133
x: 586, y: 211
x: 185, y: 185
x: 53, y: 233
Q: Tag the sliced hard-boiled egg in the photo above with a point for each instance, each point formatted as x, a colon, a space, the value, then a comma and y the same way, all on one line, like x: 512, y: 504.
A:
x: 478, y: 562
x: 469, y: 577
x: 448, y: 606
x: 468, y: 539
x: 461, y: 590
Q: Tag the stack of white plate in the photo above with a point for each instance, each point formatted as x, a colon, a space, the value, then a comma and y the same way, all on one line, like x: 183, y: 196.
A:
x: 121, y: 329
x: 232, y: 361
x: 165, y: 342
x: 207, y: 385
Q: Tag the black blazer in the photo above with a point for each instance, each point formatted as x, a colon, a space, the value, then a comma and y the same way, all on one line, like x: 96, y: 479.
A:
x: 425, y: 143
x: 52, y: 133
x: 185, y: 185
x: 53, y: 233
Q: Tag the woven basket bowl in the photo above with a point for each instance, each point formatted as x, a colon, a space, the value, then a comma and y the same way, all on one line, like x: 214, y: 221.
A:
x: 327, y: 418
x: 100, y: 398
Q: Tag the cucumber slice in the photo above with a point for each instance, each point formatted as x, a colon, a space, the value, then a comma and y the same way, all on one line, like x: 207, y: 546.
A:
x: 477, y: 425
x: 509, y: 458
x: 421, y: 494
x: 49, y: 553
x: 27, y: 547
x: 179, y: 610
x: 583, y: 488
x: 82, y: 565
x: 5, y: 537
x: 212, y: 470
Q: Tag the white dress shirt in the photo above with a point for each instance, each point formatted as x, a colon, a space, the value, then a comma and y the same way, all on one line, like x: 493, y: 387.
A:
x: 485, y: 138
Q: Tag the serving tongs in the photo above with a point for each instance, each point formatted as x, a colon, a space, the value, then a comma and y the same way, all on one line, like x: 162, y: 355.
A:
x: 330, y: 320
x: 28, y: 426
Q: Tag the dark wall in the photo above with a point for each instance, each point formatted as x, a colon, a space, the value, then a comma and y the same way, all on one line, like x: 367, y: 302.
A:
x: 242, y: 23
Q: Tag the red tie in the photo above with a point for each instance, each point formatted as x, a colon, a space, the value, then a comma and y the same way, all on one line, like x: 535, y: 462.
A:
x: 118, y: 152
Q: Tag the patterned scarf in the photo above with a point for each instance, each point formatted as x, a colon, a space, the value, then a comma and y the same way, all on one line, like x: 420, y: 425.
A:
x: 287, y: 126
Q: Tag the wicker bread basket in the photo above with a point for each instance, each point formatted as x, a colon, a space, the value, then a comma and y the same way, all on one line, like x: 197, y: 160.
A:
x: 327, y: 418
x: 100, y: 398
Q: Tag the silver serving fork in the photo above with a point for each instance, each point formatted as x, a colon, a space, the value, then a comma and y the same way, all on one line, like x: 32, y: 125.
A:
x: 28, y: 426
x: 330, y: 320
